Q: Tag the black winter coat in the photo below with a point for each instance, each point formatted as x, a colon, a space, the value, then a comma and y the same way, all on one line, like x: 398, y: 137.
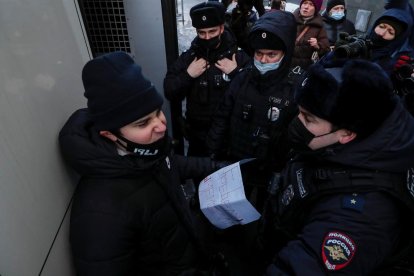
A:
x: 253, y: 117
x: 129, y: 216
x: 350, y: 231
x: 202, y: 94
x: 334, y: 27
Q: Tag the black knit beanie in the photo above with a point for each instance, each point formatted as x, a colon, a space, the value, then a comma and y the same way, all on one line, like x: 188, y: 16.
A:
x: 357, y: 96
x: 333, y: 3
x: 117, y: 92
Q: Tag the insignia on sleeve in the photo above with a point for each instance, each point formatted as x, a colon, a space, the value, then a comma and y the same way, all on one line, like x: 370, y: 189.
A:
x: 337, y: 250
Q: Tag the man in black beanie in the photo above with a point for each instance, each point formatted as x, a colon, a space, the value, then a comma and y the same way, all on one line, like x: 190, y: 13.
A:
x: 203, y: 73
x: 129, y: 215
x: 338, y: 206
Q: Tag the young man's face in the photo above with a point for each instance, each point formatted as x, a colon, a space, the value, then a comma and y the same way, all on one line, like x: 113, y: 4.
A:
x: 318, y: 126
x: 208, y: 33
x: 268, y: 56
x: 147, y: 129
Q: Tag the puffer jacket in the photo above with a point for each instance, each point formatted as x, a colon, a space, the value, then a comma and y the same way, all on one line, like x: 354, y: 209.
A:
x: 334, y: 27
x: 129, y: 215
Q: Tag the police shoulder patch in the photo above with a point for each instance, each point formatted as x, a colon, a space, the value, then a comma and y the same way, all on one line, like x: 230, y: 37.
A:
x: 338, y: 249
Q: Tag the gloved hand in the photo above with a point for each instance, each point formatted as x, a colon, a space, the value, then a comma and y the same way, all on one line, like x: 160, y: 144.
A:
x: 402, y: 60
x: 217, y: 165
x: 219, y: 265
x: 342, y: 39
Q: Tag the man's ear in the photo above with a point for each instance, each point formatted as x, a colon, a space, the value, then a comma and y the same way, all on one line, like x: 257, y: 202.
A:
x: 108, y: 135
x: 346, y: 136
x: 221, y: 29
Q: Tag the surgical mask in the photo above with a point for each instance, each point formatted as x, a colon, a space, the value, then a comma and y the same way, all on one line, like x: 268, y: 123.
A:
x: 146, y: 151
x: 211, y: 43
x: 337, y: 15
x: 266, y: 67
x: 300, y: 137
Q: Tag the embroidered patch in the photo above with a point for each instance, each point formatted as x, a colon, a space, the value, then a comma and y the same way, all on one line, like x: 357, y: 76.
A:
x: 354, y: 202
x: 167, y: 160
x: 287, y: 195
x: 337, y: 250
x: 264, y: 35
x: 273, y: 114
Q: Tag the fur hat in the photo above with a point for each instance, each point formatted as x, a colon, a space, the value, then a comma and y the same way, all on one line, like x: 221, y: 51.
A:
x: 117, y: 92
x: 332, y: 3
x: 316, y: 3
x: 357, y: 96
x: 398, y: 26
x: 207, y: 14
x: 261, y: 39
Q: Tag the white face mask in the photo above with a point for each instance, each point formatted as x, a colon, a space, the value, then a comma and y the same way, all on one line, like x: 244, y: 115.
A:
x: 266, y: 67
x: 337, y: 15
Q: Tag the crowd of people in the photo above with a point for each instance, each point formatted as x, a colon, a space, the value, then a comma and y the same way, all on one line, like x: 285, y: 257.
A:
x: 326, y: 114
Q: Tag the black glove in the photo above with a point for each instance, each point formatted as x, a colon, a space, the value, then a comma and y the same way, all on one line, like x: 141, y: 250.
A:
x: 343, y: 38
x: 217, y: 165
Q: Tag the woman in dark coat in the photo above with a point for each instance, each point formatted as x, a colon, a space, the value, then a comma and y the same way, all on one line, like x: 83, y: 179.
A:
x: 310, y: 36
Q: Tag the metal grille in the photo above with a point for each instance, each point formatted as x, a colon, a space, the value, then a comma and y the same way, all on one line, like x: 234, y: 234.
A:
x: 105, y: 24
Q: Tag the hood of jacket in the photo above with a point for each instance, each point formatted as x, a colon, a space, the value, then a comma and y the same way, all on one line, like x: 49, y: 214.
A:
x: 390, y: 148
x: 402, y: 11
x: 92, y: 155
x: 283, y: 25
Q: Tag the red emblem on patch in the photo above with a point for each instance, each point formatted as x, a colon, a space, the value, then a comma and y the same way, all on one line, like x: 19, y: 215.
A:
x: 337, y: 250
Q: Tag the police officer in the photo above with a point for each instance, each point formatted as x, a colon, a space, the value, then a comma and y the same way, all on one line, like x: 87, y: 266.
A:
x: 254, y: 115
x: 202, y: 74
x: 338, y: 207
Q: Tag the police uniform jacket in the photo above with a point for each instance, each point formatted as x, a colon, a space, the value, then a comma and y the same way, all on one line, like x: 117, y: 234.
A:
x: 252, y: 118
x: 334, y: 27
x: 203, y: 93
x: 351, y: 232
x: 303, y: 51
x: 129, y: 216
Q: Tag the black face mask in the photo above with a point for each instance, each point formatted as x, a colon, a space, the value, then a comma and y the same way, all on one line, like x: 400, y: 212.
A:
x: 300, y: 137
x: 211, y: 43
x: 378, y: 41
x: 148, y: 151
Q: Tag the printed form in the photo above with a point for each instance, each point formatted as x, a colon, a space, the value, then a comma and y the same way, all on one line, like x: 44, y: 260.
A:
x: 222, y: 198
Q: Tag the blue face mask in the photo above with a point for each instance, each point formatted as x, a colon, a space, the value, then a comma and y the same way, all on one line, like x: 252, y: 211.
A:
x: 337, y: 15
x: 266, y: 67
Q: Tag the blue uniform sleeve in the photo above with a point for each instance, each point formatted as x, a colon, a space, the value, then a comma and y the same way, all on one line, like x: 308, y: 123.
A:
x: 349, y: 234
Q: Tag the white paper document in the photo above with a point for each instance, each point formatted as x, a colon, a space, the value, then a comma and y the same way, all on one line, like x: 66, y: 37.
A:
x: 222, y: 198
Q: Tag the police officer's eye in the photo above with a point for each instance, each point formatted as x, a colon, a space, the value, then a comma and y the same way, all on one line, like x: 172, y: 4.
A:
x: 142, y: 123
